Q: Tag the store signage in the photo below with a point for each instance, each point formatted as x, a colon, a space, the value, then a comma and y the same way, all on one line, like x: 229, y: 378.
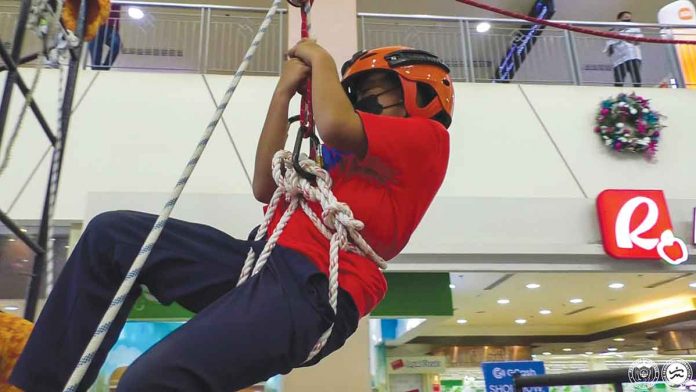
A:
x: 635, y: 224
x: 416, y: 365
x: 499, y: 376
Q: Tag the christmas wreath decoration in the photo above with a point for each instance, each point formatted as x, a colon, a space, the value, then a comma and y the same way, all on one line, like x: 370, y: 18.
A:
x: 626, y: 123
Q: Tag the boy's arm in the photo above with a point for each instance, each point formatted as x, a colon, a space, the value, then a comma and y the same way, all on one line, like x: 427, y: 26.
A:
x: 275, y: 128
x: 337, y: 123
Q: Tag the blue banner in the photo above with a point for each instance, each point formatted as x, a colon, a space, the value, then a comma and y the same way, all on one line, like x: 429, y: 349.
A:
x: 499, y: 375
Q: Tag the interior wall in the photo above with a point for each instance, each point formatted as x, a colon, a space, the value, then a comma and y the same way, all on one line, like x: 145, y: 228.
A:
x: 346, y: 370
x: 134, y: 132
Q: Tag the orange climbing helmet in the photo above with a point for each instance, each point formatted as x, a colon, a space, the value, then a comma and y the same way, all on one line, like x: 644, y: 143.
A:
x: 418, y: 71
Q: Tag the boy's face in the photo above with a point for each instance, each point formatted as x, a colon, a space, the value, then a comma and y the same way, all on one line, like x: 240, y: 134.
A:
x: 626, y: 17
x: 388, y: 93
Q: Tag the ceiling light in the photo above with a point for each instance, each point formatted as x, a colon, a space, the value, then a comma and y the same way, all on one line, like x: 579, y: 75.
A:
x: 616, y: 285
x: 655, y: 348
x: 483, y: 27
x: 11, y: 308
x: 521, y: 321
x: 546, y: 353
x: 452, y: 286
x: 23, y: 230
x: 589, y: 352
x: 576, y: 301
x: 693, y: 284
x: 612, y: 349
x: 462, y: 321
x: 567, y: 349
x: 11, y: 239
x: 135, y: 13
x: 545, y: 312
x: 619, y: 339
x: 503, y: 301
x: 533, y: 286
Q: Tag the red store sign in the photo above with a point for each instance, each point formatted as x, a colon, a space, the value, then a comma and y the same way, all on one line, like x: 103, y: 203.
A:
x: 635, y: 224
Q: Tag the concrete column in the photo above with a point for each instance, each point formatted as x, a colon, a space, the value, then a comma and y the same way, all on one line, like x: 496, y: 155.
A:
x: 347, y: 370
x: 334, y: 25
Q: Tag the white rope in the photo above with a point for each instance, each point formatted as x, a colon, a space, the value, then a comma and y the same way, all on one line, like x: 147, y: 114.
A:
x: 130, y: 279
x: 337, y: 224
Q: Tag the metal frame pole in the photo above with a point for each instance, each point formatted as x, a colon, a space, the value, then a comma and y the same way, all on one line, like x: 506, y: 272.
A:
x: 69, y: 94
x: 17, y: 44
x: 10, y: 64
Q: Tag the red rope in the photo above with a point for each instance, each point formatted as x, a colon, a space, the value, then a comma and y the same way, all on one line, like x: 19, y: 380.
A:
x: 306, y: 115
x: 564, y: 26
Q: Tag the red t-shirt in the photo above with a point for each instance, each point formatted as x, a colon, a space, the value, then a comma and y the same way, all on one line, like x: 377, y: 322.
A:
x: 389, y: 191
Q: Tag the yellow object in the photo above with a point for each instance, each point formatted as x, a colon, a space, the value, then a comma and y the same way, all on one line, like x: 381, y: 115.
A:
x: 14, y: 333
x: 97, y: 14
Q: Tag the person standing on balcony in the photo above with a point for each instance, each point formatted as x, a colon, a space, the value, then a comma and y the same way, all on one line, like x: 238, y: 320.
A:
x: 627, y: 56
x: 108, y: 35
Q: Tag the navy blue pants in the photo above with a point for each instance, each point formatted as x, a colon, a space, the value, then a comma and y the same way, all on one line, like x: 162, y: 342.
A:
x: 239, y: 336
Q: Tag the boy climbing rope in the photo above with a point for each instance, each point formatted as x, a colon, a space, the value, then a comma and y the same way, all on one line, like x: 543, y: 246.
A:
x: 387, y: 120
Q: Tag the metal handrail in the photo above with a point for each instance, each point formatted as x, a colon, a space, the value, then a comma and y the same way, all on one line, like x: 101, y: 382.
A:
x: 196, y: 6
x: 518, y: 21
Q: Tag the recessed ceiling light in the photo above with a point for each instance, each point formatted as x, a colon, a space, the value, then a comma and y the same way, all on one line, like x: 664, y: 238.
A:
x: 692, y: 284
x: 23, y: 230
x: 546, y: 353
x: 589, y: 352
x: 533, y: 286
x: 135, y: 13
x: 576, y: 301
x: 616, y: 285
x: 483, y: 27
x: 452, y: 286
x: 25, y: 260
x: 545, y: 312
x: 11, y: 308
x: 567, y: 349
x: 462, y: 321
x: 503, y: 301
x: 67, y: 246
x: 650, y: 332
x: 655, y: 348
x: 612, y: 349
x: 619, y: 339
x: 11, y: 239
x: 521, y: 321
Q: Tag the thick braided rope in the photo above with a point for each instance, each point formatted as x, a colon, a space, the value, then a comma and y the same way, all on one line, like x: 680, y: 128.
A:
x: 565, y: 26
x: 337, y: 224
x: 18, y: 125
x: 134, y: 271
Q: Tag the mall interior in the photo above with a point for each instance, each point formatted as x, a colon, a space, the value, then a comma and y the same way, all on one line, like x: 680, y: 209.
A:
x: 562, y: 240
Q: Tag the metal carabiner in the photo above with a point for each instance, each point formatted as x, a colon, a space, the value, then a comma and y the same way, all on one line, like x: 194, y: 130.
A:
x: 314, y: 146
x: 297, y: 3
